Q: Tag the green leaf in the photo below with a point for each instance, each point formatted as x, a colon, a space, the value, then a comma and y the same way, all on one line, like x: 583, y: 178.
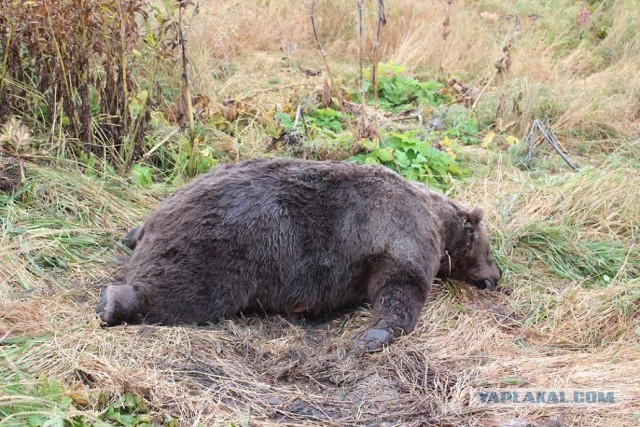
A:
x: 142, y: 175
x: 371, y: 161
x: 421, y: 159
x: 285, y: 120
x: 136, y: 53
x: 370, y: 144
x: 402, y: 159
x: 384, y: 154
x: 137, y: 103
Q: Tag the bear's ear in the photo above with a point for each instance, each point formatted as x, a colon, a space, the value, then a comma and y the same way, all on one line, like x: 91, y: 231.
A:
x: 473, y: 218
x: 476, y: 215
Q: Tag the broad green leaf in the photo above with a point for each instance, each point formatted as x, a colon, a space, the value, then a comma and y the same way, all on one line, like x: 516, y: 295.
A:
x: 384, y: 154
x: 402, y: 159
x: 371, y: 161
x: 142, y: 175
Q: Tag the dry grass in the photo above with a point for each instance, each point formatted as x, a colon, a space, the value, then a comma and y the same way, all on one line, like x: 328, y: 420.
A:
x: 587, y: 87
x: 567, y: 243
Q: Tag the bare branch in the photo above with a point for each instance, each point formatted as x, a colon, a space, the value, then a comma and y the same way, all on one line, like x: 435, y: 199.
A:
x: 382, y: 20
x: 548, y: 136
x: 312, y: 17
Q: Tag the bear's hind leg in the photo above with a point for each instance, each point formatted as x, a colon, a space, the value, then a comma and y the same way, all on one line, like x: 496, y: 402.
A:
x: 396, y: 307
x: 119, y: 304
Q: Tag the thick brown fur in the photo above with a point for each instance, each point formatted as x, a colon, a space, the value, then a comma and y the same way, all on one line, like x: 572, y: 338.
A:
x: 296, y: 236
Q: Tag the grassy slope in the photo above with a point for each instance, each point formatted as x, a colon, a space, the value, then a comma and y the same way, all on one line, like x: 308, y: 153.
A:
x: 567, y: 243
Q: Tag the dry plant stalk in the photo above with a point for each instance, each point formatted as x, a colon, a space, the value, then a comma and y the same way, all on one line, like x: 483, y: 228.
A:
x: 76, y: 59
x: 446, y: 30
x: 547, y: 134
x: 504, y: 63
x: 382, y: 20
x: 366, y: 127
x: 329, y: 85
x: 15, y: 142
x: 329, y: 78
x: 186, y: 87
x: 361, y: 56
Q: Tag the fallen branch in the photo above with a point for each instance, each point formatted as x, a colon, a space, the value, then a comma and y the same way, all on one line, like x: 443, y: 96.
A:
x: 148, y: 154
x: 546, y: 133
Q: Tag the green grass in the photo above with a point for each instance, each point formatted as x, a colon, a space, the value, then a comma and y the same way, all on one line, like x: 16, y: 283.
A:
x: 568, y: 257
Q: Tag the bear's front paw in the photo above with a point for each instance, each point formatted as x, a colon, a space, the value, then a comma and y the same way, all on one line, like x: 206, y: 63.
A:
x: 376, y: 337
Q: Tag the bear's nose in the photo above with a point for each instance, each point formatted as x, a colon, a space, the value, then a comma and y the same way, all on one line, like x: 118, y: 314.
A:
x: 487, y: 284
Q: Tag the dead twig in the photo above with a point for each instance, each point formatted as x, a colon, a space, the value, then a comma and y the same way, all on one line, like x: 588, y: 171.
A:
x: 547, y: 134
x: 290, y: 137
x: 295, y: 122
x: 446, y: 30
x: 312, y: 18
x: 367, y: 127
x: 274, y: 89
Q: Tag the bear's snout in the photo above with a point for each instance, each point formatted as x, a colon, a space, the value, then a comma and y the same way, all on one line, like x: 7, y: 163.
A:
x: 490, y: 278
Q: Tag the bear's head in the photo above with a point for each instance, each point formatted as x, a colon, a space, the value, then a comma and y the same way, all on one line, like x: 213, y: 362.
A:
x: 467, y: 255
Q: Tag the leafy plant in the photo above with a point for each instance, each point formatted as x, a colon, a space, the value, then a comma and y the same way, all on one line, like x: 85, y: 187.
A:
x: 461, y: 125
x: 142, y: 175
x: 49, y: 403
x: 319, y: 120
x: 326, y: 119
x: 397, y: 92
x: 129, y: 411
x: 286, y: 121
x: 412, y: 156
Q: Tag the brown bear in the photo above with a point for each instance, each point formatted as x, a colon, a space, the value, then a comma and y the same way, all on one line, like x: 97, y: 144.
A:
x: 296, y: 236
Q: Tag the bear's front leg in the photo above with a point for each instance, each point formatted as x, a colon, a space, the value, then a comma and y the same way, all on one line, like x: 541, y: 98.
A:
x: 396, y: 308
